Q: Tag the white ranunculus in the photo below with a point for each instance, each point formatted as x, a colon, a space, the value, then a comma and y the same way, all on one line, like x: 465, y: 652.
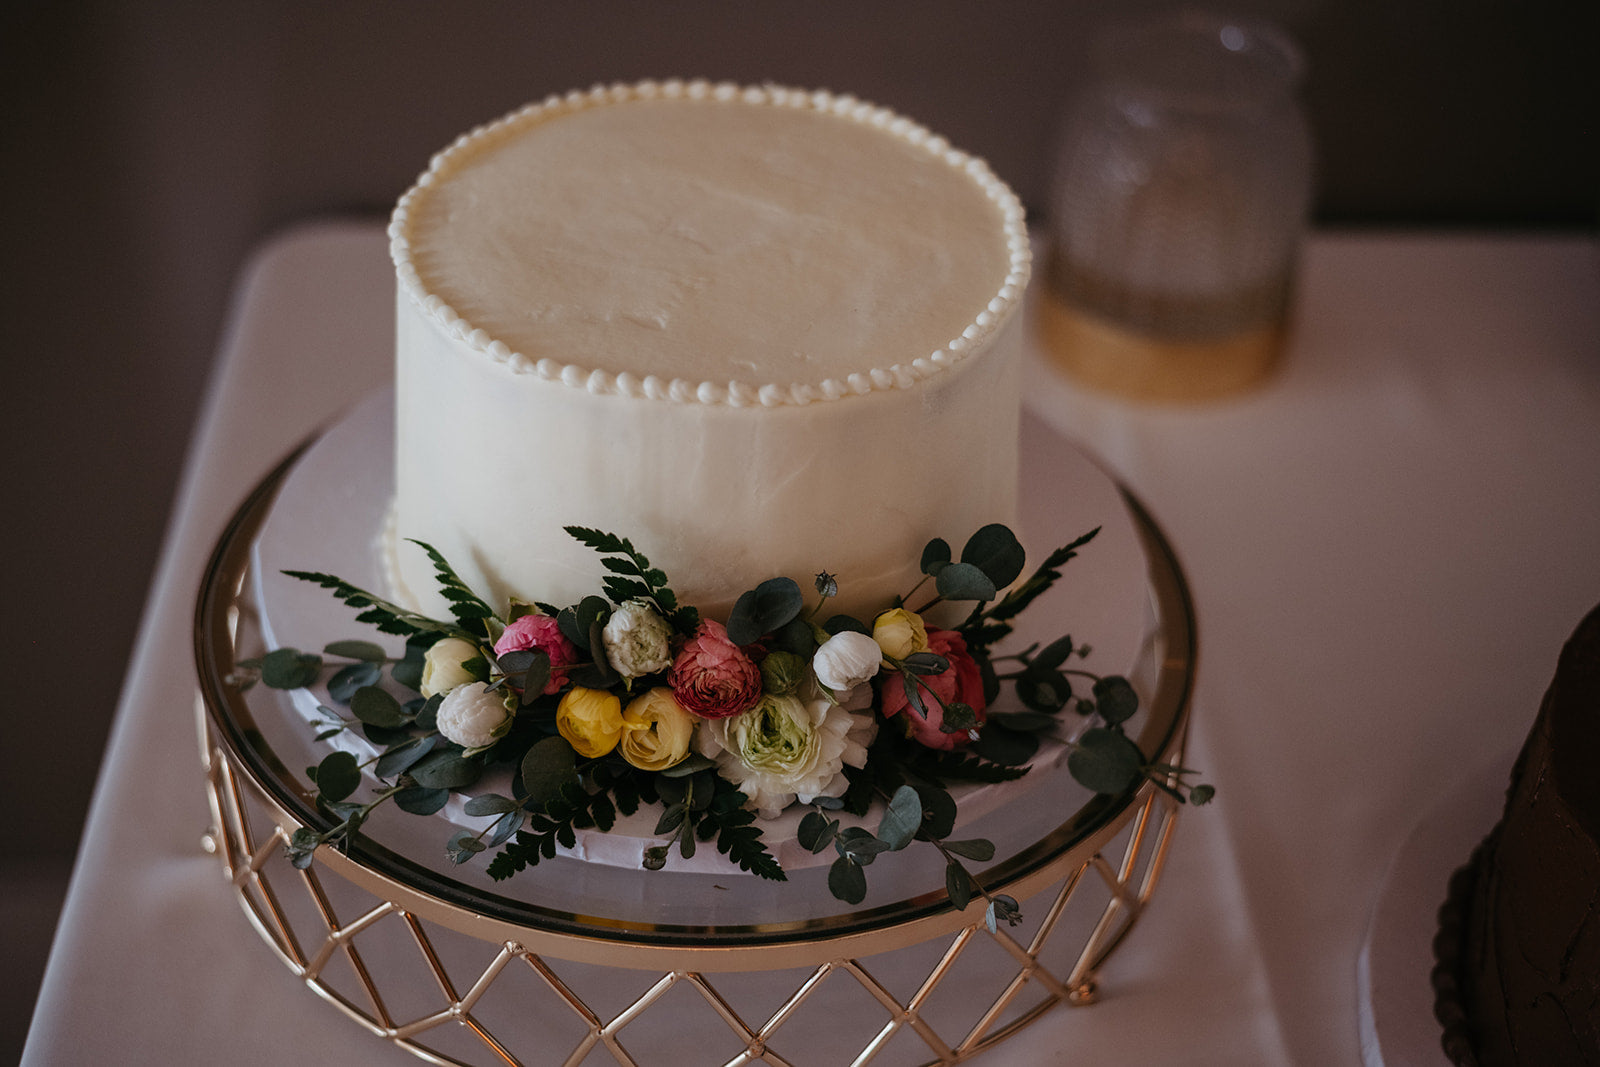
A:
x: 637, y: 640
x: 442, y: 668
x: 786, y: 749
x: 473, y: 717
x: 846, y: 660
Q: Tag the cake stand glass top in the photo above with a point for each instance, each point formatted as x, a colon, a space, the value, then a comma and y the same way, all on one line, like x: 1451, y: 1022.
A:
x: 570, y: 906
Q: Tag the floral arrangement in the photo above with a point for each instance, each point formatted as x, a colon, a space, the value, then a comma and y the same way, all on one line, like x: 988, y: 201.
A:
x: 632, y: 698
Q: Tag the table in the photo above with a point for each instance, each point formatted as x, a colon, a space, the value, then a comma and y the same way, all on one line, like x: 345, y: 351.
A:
x: 1387, y: 545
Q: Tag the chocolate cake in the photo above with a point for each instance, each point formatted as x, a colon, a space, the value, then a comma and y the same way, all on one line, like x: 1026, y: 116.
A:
x: 1518, y: 950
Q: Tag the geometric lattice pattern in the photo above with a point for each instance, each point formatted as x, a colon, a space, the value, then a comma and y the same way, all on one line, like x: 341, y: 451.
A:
x: 452, y: 999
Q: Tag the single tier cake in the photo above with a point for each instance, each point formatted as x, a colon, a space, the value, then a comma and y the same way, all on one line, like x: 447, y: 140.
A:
x: 759, y: 331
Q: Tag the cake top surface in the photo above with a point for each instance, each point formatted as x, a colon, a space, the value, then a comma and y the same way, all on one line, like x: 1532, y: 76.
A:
x: 710, y: 234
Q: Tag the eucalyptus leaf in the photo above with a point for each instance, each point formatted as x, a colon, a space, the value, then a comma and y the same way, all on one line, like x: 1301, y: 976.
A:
x: 1053, y: 655
x: 964, y: 581
x: 489, y: 804
x: 517, y: 661
x: 996, y: 552
x: 1202, y: 794
x: 548, y: 765
x: 503, y: 828
x: 764, y: 609
x: 901, y: 819
x: 591, y: 611
x: 401, y: 758
x: 352, y: 677
x: 957, y: 718
x: 289, y: 668
x: 976, y: 848
x: 673, y: 790
x: 858, y: 845
x: 1010, y: 748
x: 1001, y: 909
x: 1023, y: 721
x: 838, y: 624
x: 671, y: 818
x: 446, y: 770
x: 1115, y: 698
x: 1044, y: 690
x: 935, y: 556
x: 925, y: 663
x: 417, y: 800
x: 693, y: 763
x: 428, y: 714
x: 816, y: 831
x: 337, y: 776
x: 384, y: 736
x: 938, y: 811
x: 408, y: 671
x: 796, y: 637
x: 376, y: 707
x: 847, y: 881
x: 362, y: 650
x: 1104, y: 760
x: 463, y: 845
x: 958, y: 884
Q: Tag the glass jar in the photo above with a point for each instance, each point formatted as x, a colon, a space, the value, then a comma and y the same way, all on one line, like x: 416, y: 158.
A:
x: 1181, y: 193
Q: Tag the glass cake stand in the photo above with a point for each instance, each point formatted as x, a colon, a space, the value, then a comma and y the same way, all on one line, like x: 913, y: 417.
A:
x: 576, y: 962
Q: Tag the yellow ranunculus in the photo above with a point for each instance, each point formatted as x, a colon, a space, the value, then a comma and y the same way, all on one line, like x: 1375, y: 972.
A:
x: 656, y: 730
x: 900, y: 633
x: 590, y: 720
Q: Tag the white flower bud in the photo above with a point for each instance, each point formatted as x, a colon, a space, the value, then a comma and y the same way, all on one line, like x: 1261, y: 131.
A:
x: 442, y: 668
x: 637, y: 640
x: 473, y: 717
x: 846, y: 660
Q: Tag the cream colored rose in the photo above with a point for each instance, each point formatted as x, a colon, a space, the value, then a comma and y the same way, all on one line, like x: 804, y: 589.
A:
x: 899, y: 633
x: 636, y: 639
x: 846, y: 660
x: 473, y: 717
x: 656, y: 731
x: 787, y: 748
x: 590, y: 720
x: 442, y: 668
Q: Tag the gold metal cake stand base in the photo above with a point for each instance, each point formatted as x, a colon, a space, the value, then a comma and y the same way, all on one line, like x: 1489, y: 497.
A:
x: 913, y: 983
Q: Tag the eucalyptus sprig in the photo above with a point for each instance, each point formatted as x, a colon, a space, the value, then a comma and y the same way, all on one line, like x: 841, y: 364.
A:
x: 556, y: 792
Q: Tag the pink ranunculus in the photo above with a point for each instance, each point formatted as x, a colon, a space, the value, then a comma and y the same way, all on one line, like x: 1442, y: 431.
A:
x: 711, y: 677
x: 543, y: 633
x: 959, y: 683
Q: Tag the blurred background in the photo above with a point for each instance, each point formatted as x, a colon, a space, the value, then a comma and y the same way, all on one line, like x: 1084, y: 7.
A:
x: 150, y: 146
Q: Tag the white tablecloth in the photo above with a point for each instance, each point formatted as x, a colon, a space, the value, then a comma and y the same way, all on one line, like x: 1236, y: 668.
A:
x: 1387, y: 545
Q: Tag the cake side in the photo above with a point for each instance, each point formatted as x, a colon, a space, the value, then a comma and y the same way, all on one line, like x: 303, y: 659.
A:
x: 812, y: 365
x: 1527, y: 976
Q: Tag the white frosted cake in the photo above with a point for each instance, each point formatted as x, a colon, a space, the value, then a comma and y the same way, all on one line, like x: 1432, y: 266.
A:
x: 758, y: 331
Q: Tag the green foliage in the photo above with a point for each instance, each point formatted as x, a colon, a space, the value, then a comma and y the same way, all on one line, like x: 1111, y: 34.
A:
x: 389, y: 618
x: 987, y: 626
x: 1105, y: 760
x: 995, y: 551
x: 289, y: 668
x: 471, y: 613
x: 632, y: 577
x: 963, y: 581
x: 774, y: 603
